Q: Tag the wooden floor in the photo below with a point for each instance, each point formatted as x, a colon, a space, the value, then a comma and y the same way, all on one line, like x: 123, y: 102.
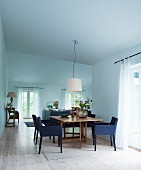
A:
x: 18, y: 152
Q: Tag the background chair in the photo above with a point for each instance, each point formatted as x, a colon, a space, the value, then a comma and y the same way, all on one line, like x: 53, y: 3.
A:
x: 36, y: 128
x: 66, y: 125
x: 104, y: 128
x: 52, y: 130
x: 90, y: 124
x: 12, y: 112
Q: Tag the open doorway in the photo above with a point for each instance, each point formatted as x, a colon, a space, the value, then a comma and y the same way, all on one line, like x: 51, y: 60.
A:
x: 29, y: 102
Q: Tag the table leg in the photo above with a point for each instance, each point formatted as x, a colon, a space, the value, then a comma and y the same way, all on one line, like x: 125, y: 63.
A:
x: 85, y: 131
x: 61, y: 123
x: 80, y: 129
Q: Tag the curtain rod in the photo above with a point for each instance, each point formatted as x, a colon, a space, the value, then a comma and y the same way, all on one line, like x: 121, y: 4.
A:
x: 29, y: 87
x: 127, y: 57
x: 66, y: 89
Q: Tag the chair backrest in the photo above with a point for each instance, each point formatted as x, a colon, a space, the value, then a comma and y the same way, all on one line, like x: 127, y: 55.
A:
x: 49, y: 130
x: 106, y: 129
x: 35, y: 121
x: 90, y: 114
x: 114, y: 121
x: 11, y: 110
x: 57, y: 113
x: 39, y: 123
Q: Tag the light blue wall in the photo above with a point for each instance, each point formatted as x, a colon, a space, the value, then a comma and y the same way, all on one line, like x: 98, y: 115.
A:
x: 105, y: 83
x: 3, y: 79
x: 50, y: 74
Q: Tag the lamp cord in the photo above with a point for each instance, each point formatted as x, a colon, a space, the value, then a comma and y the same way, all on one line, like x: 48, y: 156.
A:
x: 75, y: 42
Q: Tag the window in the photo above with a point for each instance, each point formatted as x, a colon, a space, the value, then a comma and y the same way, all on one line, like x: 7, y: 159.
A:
x: 70, y: 98
x: 28, y: 102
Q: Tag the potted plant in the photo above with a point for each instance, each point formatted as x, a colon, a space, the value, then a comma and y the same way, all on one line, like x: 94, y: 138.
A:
x: 85, y: 106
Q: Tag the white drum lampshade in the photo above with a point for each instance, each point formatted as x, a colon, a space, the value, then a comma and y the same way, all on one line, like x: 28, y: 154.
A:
x: 74, y: 85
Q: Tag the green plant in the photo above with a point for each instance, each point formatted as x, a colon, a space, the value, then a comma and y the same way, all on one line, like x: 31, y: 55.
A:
x: 86, y: 104
x: 77, y: 102
x: 49, y: 106
x: 55, y: 104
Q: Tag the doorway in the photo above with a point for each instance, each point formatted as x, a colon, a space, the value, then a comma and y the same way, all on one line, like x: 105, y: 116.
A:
x: 28, y: 103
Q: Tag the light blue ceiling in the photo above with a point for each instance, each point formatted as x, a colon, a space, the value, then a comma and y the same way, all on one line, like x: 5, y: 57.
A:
x: 48, y: 27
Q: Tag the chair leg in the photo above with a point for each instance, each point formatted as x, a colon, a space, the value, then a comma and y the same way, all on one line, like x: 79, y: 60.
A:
x: 95, y: 142
x: 114, y: 142
x: 92, y: 132
x: 73, y: 132
x: 36, y: 137
x: 53, y: 139
x: 40, y: 145
x: 60, y: 143
x: 111, y: 140
x: 34, y: 134
x: 64, y: 131
x: 93, y: 135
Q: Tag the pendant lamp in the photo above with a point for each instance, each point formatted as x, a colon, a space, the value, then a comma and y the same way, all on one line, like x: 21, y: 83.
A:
x: 74, y: 84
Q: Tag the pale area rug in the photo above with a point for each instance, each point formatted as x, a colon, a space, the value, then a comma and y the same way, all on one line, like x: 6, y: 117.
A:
x: 71, y: 149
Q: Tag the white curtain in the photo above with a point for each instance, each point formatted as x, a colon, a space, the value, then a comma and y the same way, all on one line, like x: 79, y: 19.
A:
x: 135, y: 137
x: 19, y: 101
x: 63, y: 99
x: 38, y: 102
x: 124, y: 105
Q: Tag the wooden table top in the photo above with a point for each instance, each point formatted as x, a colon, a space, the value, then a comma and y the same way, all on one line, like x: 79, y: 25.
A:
x: 76, y: 119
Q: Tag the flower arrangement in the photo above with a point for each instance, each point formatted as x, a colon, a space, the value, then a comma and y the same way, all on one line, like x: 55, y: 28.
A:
x: 86, y: 104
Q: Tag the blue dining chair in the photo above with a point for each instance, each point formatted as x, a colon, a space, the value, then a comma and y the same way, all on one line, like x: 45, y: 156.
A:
x: 46, y: 123
x: 104, y: 128
x: 50, y: 130
x: 36, y: 128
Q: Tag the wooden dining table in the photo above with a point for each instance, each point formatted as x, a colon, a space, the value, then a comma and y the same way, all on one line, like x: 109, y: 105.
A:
x: 82, y: 124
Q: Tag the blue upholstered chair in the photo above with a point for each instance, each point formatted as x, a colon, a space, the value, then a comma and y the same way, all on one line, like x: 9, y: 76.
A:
x: 104, y: 128
x: 51, y: 130
x: 36, y: 128
x: 46, y: 123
